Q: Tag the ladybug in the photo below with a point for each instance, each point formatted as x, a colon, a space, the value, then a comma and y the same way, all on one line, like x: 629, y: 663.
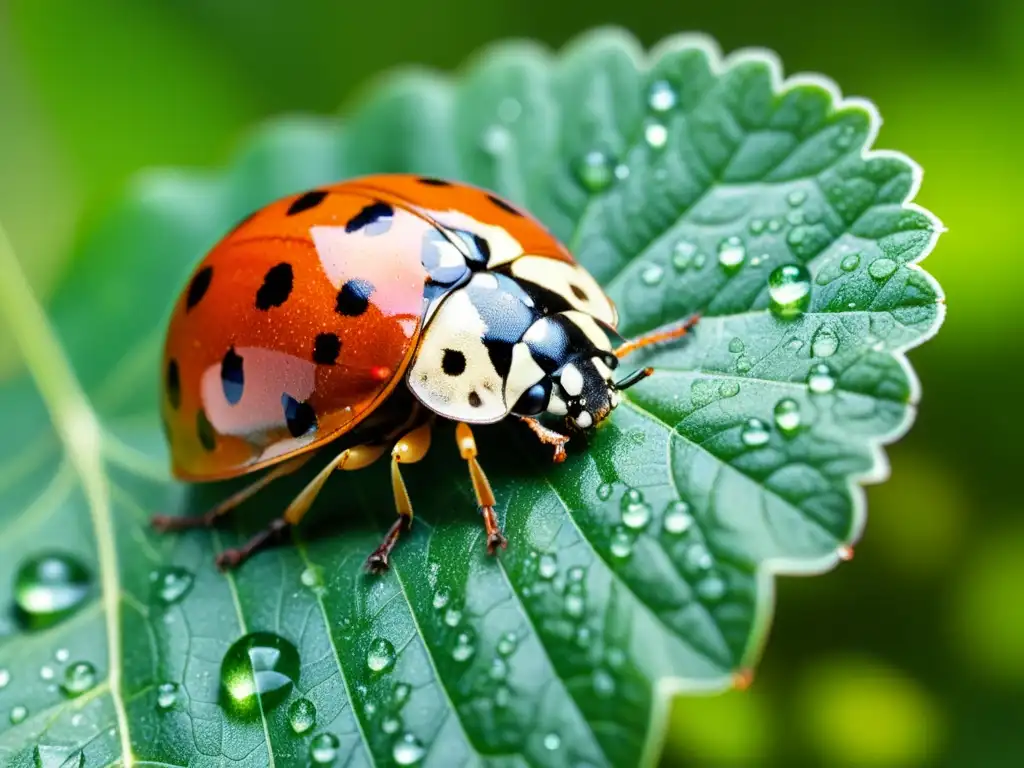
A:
x: 355, y: 315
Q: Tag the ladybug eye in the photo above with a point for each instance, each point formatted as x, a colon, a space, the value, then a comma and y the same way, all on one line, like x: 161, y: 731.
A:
x: 534, y: 400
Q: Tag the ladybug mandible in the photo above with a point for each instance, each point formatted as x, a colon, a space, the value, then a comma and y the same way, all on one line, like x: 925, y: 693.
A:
x: 356, y: 315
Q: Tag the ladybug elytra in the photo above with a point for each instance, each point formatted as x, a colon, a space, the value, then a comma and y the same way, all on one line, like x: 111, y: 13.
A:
x: 357, y: 314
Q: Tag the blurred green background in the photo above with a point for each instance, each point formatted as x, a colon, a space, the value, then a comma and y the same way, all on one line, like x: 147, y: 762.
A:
x: 910, y: 655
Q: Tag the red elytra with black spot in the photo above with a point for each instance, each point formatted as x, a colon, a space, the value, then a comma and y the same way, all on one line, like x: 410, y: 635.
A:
x: 325, y: 316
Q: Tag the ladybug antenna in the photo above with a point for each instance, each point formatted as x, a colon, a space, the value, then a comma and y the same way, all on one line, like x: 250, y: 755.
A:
x: 634, y: 378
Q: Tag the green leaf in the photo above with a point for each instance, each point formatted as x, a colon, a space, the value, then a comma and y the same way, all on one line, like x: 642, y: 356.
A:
x: 643, y: 565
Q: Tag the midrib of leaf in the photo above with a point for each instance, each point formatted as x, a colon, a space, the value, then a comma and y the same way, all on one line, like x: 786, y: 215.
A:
x: 75, y: 421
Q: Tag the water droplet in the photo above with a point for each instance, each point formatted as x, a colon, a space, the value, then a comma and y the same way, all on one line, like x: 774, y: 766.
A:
x: 78, y: 678
x: 77, y: 719
x: 729, y: 388
x: 736, y: 346
x: 391, y: 724
x: 258, y: 668
x: 787, y: 416
x: 743, y: 364
x: 400, y: 694
x: 464, y: 647
x: 698, y: 558
x: 604, y: 684
x: 757, y: 226
x: 576, y: 573
x: 824, y: 343
x: 880, y: 269
x: 380, y: 656
x: 622, y: 543
x: 595, y: 171
x: 502, y: 697
x: 441, y: 598
x: 499, y: 669
x: 547, y: 567
x: 5, y: 678
x: 168, y: 586
x: 789, y: 290
x: 774, y: 225
x: 552, y: 742
x: 46, y: 672
x: 754, y: 433
x: 507, y: 644
x: 796, y: 197
x: 604, y: 491
x: 496, y: 140
x: 621, y: 171
x: 407, y: 750
x: 656, y: 135
x: 575, y: 605
x: 636, y: 513
x: 49, y: 588
x: 61, y: 655
x: 302, y: 715
x: 652, y: 274
x: 616, y: 657
x: 795, y: 344
x: 662, y: 97
x: 712, y: 588
x: 699, y: 260
x: 850, y: 263
x: 167, y: 695
x: 795, y: 218
x: 583, y: 637
x: 53, y: 756
x: 731, y: 253
x: 323, y: 749
x: 18, y: 714
x: 682, y: 255
x: 677, y: 518
x: 452, y: 617
x: 820, y: 379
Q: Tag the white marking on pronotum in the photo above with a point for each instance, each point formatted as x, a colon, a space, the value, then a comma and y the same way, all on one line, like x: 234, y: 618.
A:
x: 571, y: 380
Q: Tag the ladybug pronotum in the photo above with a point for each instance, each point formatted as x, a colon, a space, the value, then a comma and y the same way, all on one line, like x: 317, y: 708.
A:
x: 358, y: 314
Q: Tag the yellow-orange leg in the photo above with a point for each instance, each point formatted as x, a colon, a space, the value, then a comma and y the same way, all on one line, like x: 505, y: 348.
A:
x: 481, y: 487
x: 410, y: 449
x: 548, y: 437
x: 658, y: 336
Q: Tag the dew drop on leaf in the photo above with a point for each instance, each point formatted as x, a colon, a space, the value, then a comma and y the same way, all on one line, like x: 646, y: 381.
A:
x: 604, y: 491
x: 46, y: 672
x: 756, y: 226
x: 441, y: 598
x: 595, y: 170
x: 5, y: 678
x: 502, y: 696
x: 882, y: 268
x: 499, y: 669
x: 682, y: 255
x: 452, y: 617
x: 787, y: 416
x: 301, y: 715
x: 621, y: 171
x: 391, y: 724
x: 49, y: 588
x: 698, y: 558
x: 820, y: 379
x: 547, y: 567
x: 796, y: 197
x: 61, y: 655
x: 47, y: 756
x: 323, y: 749
x: 677, y: 518
x: 380, y: 656
x: 754, y: 433
x: 575, y: 605
x: 167, y: 695
x: 661, y: 97
x: 789, y: 290
x: 311, y: 577
x: 407, y: 750
x: 18, y: 714
x: 496, y: 140
x: 824, y: 343
x: 400, y: 694
x: 168, y: 586
x: 636, y: 512
x: 258, y: 668
x: 552, y: 742
x: 621, y: 544
x: 731, y: 253
x: 464, y: 647
x: 711, y: 588
x: 78, y: 678
x: 652, y: 274
x: 736, y: 346
x: 507, y: 644
x: 850, y: 263
x: 604, y: 684
x: 656, y: 135
x: 576, y: 574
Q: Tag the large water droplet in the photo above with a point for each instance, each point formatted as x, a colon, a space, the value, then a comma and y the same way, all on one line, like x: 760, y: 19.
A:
x: 323, y: 749
x: 49, y: 588
x: 622, y: 543
x: 78, y: 678
x: 168, y: 586
x: 595, y: 170
x: 661, y: 97
x: 824, y: 343
x: 302, y: 715
x: 652, y: 274
x: 787, y: 416
x: 796, y: 197
x: 167, y: 695
x: 729, y: 388
x: 604, y: 491
x: 5, y: 678
x: 656, y: 135
x: 850, y: 263
x: 880, y: 269
x: 552, y: 742
x: 682, y: 255
x: 820, y: 379
x: 380, y: 656
x: 464, y: 647
x: 258, y: 667
x: 18, y: 714
x: 604, y: 684
x: 452, y: 617
x: 736, y: 346
x: 731, y: 253
x: 575, y: 604
x: 789, y: 290
x: 754, y: 433
x: 312, y: 577
x: 547, y: 567
x: 677, y: 518
x: 407, y: 750
x: 636, y: 513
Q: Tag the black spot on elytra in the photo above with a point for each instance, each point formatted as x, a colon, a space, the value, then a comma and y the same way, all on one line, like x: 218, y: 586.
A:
x: 474, y: 400
x: 305, y: 202
x: 173, y: 384
x: 276, y: 288
x: 500, y: 352
x: 197, y: 288
x: 326, y: 347
x: 232, y: 377
x: 453, y: 362
x: 578, y: 292
x: 483, y: 247
x: 205, y: 431
x: 503, y: 205
x: 431, y: 182
x: 354, y: 297
x: 375, y: 219
x: 300, y: 417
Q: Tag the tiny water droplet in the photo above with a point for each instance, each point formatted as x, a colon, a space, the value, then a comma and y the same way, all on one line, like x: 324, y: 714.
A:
x: 787, y: 416
x: 795, y: 218
x: 731, y: 253
x: 575, y: 605
x: 391, y: 724
x: 49, y: 588
x: 621, y: 171
x: 824, y: 343
x: 167, y: 695
x: 820, y: 379
x: 656, y: 135
x: 407, y: 750
x: 168, y: 586
x: 441, y: 598
x: 712, y: 588
x: 661, y: 97
x: 46, y: 672
x: 323, y: 749
x: 880, y: 269
x: 507, y: 644
x: 604, y: 684
x: 499, y: 669
x: 547, y: 567
x: 636, y: 513
x: 302, y: 715
x: 552, y: 742
x: 699, y: 261
x: 496, y: 140
x: 754, y: 433
x: 5, y: 678
x: 400, y: 694
x: 677, y: 518
x: 652, y: 274
x: 789, y: 290
x: 502, y: 697
x: 464, y: 647
x: 774, y: 225
x: 18, y: 714
x: 604, y: 491
x: 796, y: 197
x: 682, y: 255
x: 258, y: 668
x: 77, y: 719
x: 576, y: 573
x: 736, y: 346
x: 61, y: 655
x: 795, y: 344
x: 698, y: 558
x: 380, y: 656
x: 595, y: 171
x: 622, y: 543
x: 452, y: 617
x: 728, y: 388
x: 312, y: 577
x: 78, y: 678
x: 757, y: 226
x: 850, y: 263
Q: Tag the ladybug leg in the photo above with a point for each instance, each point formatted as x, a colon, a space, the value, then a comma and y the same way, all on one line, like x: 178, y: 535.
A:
x: 548, y: 437
x: 410, y: 449
x: 658, y: 336
x: 481, y: 487
x: 165, y: 523
x: 352, y: 458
